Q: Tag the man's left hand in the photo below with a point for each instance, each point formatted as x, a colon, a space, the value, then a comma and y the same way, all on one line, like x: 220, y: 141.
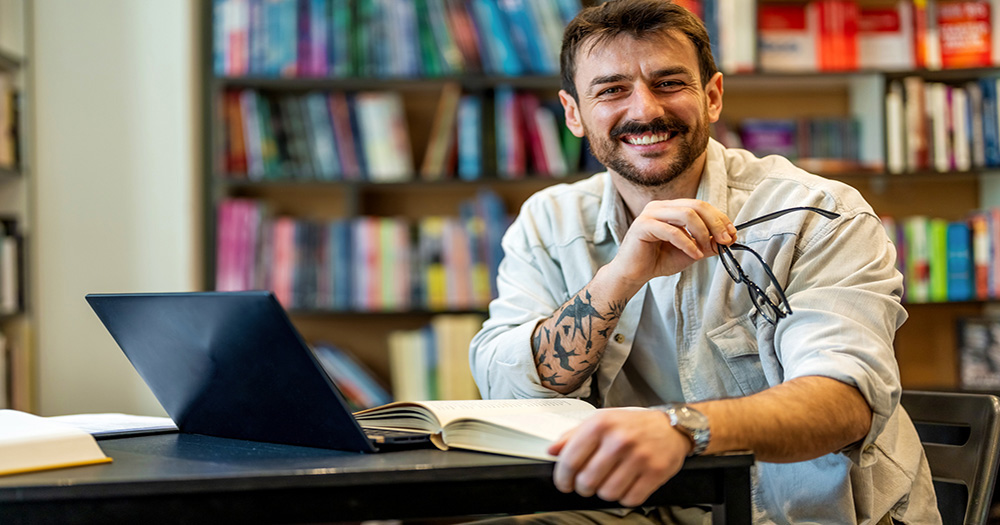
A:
x: 621, y: 455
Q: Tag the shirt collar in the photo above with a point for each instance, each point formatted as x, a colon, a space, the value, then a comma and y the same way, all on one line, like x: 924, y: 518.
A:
x: 612, y: 219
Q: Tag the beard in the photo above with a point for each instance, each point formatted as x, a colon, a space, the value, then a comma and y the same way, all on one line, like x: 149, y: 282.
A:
x: 691, y: 144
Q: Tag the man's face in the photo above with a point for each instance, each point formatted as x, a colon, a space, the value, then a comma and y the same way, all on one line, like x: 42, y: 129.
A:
x: 643, y: 108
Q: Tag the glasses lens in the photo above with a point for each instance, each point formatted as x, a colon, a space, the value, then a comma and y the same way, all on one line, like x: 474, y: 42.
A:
x: 764, y: 304
x: 730, y: 264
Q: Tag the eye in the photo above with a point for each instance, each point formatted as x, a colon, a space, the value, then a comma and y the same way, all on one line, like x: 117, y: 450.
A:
x: 670, y: 84
x: 614, y: 90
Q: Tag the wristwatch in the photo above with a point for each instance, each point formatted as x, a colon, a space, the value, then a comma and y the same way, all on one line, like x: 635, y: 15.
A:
x: 690, y: 422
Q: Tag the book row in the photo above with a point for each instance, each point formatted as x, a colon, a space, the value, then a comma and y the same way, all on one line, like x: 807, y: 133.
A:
x: 357, y: 383
x: 388, y: 38
x: 841, y: 35
x: 433, y: 362
x: 333, y: 136
x: 828, y: 138
x: 942, y: 127
x: 942, y: 260
x: 430, y: 38
x: 365, y: 263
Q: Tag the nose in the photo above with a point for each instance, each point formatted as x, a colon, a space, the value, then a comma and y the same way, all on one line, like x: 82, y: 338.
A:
x: 644, y: 105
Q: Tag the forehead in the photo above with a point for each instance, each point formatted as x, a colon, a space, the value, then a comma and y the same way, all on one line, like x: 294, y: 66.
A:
x: 626, y: 53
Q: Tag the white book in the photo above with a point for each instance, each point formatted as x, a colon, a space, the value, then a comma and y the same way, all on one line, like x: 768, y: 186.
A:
x: 895, y: 127
x: 29, y: 443
x: 975, y: 95
x: 937, y: 105
x: 514, y: 427
x: 960, y: 129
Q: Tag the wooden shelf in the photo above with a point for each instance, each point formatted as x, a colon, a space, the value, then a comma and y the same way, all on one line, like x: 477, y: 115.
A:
x: 470, y: 82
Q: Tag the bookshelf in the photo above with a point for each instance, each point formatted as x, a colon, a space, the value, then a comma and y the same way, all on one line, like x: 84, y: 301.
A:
x: 15, y: 186
x: 926, y: 345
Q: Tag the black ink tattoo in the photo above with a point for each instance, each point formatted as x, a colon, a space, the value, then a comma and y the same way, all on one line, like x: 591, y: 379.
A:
x: 578, y: 311
x: 560, y: 352
x: 617, y: 308
x: 552, y: 380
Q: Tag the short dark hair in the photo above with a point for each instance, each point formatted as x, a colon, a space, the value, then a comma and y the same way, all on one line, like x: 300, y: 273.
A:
x: 636, y: 18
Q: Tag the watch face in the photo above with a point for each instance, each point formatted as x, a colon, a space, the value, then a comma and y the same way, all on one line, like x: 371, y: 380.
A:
x: 691, y: 419
x: 695, y: 425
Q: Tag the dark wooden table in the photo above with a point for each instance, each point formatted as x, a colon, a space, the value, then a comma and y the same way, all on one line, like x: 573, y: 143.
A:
x: 188, y: 478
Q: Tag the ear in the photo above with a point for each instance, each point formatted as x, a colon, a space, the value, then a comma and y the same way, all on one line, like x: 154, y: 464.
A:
x: 713, y: 90
x: 572, y: 110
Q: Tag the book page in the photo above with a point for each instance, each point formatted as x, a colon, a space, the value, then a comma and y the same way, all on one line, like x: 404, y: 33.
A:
x: 113, y: 424
x: 443, y: 412
x: 29, y: 442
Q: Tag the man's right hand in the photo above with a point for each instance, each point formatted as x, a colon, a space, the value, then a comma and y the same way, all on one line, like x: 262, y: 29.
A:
x: 667, y: 237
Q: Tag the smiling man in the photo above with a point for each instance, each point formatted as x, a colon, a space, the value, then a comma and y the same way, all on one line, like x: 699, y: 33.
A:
x: 749, y: 304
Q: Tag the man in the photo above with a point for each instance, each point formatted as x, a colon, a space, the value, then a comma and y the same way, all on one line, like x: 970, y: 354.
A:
x: 610, y: 290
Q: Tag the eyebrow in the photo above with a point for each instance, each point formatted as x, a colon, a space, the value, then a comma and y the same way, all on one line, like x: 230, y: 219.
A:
x: 618, y: 77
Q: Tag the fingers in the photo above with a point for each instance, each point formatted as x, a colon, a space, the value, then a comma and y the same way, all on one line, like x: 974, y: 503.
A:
x: 701, y: 221
x: 618, y: 457
x: 652, y: 229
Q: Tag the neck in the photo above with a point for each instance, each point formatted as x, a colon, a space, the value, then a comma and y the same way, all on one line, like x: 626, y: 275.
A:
x: 636, y: 196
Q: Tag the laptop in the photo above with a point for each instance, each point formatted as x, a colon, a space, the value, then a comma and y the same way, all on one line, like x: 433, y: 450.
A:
x: 231, y: 364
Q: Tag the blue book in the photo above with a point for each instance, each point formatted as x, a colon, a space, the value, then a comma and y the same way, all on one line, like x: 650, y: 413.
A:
x: 324, y: 143
x: 359, y: 146
x: 257, y: 38
x: 991, y: 125
x: 470, y: 137
x: 524, y: 33
x: 501, y: 57
x: 340, y: 53
x: 340, y: 246
x: 568, y: 9
x: 959, y: 245
x: 710, y: 15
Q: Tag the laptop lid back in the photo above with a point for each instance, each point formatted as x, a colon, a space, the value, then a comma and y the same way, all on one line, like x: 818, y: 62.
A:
x: 230, y: 364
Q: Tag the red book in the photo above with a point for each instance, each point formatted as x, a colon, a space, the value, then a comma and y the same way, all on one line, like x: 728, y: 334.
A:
x: 283, y: 266
x: 981, y: 254
x: 695, y: 6
x: 236, y: 154
x: 964, y: 29
x: 885, y: 37
x: 837, y: 34
x: 786, y: 42
x: 340, y: 117
x: 528, y: 104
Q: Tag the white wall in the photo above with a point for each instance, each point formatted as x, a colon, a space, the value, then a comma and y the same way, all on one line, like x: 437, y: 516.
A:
x: 116, y: 171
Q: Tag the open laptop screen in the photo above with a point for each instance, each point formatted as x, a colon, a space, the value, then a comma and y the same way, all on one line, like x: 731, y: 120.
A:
x: 230, y: 364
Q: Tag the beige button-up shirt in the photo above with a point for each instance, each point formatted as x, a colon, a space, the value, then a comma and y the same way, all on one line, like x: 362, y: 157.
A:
x: 841, y: 283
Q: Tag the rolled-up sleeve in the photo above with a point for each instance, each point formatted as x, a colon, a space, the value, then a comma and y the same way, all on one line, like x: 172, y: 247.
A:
x: 845, y: 291
x: 530, y: 288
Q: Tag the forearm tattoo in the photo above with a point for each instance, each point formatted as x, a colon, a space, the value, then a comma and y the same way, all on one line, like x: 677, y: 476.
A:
x: 568, y: 346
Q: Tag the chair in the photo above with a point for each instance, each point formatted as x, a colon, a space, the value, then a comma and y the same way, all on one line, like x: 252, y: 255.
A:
x: 961, y: 435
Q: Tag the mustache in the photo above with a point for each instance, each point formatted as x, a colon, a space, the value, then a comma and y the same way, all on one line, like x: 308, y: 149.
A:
x: 656, y: 126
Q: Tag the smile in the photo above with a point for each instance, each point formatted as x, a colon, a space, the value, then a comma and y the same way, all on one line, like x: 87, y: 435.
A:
x: 649, y: 138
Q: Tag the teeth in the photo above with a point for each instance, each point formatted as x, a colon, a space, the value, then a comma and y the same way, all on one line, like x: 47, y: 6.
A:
x: 647, y: 139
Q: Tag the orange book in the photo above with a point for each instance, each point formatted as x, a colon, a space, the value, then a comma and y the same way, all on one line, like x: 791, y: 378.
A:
x: 965, y: 33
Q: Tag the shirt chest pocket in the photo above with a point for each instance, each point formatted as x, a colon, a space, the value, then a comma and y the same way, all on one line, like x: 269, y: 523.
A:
x: 736, y: 343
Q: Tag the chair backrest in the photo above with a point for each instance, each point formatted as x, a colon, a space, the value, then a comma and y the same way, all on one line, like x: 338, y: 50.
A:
x: 961, y: 435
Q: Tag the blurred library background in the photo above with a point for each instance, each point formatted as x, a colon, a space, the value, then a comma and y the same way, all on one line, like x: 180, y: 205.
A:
x: 362, y: 159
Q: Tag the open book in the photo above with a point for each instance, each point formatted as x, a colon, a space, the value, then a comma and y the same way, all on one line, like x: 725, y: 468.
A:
x: 515, y: 427
x: 29, y: 442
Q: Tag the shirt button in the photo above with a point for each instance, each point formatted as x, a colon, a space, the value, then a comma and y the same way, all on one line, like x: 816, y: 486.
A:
x: 619, y: 338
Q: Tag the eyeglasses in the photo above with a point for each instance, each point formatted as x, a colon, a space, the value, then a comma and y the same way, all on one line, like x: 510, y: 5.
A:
x: 765, y: 306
